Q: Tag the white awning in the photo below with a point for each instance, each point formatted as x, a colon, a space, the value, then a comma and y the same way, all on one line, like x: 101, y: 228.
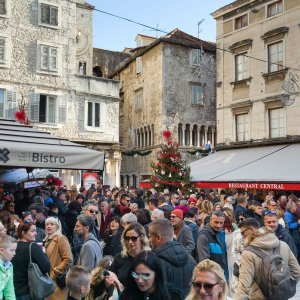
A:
x: 268, y: 164
x: 20, y: 175
x: 25, y: 146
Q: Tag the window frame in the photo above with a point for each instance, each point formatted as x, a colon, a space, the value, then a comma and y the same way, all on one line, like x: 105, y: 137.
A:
x: 270, y: 110
x: 7, y: 7
x: 5, y: 63
x: 269, y: 65
x: 246, y: 73
x: 51, y: 5
x: 138, y: 99
x: 49, y: 70
x: 101, y: 115
x: 245, y: 126
x: 138, y: 65
x: 9, y: 106
x: 192, y: 91
x: 268, y: 15
x: 241, y: 18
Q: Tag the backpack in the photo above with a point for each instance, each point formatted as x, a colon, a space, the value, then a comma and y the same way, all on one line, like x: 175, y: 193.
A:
x: 276, y: 282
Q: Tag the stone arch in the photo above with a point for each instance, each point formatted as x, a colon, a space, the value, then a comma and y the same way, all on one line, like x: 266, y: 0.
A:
x: 202, y: 136
x: 180, y: 134
x: 195, y: 136
x: 98, y: 72
x: 187, y: 135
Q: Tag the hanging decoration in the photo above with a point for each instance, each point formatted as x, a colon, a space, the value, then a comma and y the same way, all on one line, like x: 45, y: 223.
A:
x: 136, y: 153
x: 21, y: 115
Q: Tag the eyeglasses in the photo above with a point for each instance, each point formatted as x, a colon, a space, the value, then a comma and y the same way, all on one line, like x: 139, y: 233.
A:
x: 28, y: 222
x: 173, y: 217
x: 143, y: 276
x: 132, y: 238
x: 93, y: 211
x: 207, y: 286
x: 269, y: 212
x: 244, y: 231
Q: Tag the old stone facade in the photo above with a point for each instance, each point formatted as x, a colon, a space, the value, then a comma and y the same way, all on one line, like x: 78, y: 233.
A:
x: 169, y: 83
x: 106, y: 61
x: 46, y: 59
x: 258, y: 71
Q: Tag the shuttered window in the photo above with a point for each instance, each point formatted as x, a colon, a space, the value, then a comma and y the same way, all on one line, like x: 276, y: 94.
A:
x: 48, y: 58
x: 3, y: 10
x: 2, y: 49
x: 49, y: 14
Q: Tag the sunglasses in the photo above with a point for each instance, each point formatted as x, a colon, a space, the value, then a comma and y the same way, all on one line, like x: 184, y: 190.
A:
x: 270, y: 213
x: 143, y: 276
x: 93, y: 211
x: 207, y: 286
x: 132, y: 238
x: 244, y: 231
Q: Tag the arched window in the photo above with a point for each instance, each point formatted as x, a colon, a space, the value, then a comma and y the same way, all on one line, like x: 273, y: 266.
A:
x: 97, y: 72
x: 145, y: 137
x: 202, y: 136
x: 152, y: 130
x: 138, y: 139
x: 209, y: 135
x: 142, y: 135
x: 195, y: 136
x: 180, y: 134
x: 187, y: 135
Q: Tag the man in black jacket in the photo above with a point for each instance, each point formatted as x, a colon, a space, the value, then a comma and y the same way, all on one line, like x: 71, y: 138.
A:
x: 271, y: 220
x: 177, y: 265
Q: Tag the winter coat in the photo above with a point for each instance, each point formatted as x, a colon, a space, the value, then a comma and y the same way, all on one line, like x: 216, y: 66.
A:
x: 177, y: 265
x: 293, y: 225
x: 185, y: 237
x: 251, y: 265
x: 113, y: 244
x: 90, y: 253
x: 283, y: 235
x: 59, y: 254
x: 7, y: 281
x: 211, y: 245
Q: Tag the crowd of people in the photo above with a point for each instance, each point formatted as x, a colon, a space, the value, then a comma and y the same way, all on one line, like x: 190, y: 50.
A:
x: 148, y: 245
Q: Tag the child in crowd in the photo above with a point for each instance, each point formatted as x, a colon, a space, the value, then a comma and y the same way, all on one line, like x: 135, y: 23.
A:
x: 78, y: 282
x: 8, y: 247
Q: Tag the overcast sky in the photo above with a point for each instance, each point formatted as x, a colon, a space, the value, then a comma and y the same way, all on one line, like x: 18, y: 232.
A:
x: 115, y: 34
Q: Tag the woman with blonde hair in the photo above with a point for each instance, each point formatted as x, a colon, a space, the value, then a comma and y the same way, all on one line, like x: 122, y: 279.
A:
x: 206, y: 208
x: 134, y: 240
x: 59, y: 253
x: 208, y: 282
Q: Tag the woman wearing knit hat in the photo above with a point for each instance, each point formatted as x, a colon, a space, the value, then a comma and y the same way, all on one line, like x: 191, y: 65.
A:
x: 182, y: 232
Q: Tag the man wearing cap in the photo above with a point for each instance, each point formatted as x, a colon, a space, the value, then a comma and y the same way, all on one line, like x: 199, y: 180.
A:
x: 192, y: 202
x: 182, y: 232
x: 211, y: 241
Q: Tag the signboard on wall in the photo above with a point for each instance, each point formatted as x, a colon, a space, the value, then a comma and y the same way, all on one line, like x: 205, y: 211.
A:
x: 89, y: 178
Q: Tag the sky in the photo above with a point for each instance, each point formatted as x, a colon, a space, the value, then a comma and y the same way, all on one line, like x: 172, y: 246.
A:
x: 114, y: 34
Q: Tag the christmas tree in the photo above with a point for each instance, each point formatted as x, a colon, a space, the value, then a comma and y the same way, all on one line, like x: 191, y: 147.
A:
x: 170, y: 171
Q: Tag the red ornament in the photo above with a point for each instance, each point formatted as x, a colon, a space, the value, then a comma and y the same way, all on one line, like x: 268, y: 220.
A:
x: 21, y: 116
x: 167, y: 135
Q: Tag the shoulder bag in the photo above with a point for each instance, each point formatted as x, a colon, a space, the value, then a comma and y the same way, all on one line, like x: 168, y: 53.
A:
x: 40, y: 285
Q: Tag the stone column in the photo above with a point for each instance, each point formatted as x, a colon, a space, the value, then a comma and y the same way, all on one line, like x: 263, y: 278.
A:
x: 199, y: 137
x: 212, y: 142
x: 205, y: 138
x: 191, y: 136
x: 117, y: 168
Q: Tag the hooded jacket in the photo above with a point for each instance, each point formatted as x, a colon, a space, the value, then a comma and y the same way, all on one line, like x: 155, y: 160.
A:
x: 251, y: 264
x: 177, y: 265
x: 211, y: 245
x: 7, y: 281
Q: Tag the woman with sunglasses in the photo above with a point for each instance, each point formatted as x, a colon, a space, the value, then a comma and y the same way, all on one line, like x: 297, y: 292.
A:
x: 59, y: 253
x: 134, y: 241
x: 26, y: 233
x: 146, y: 281
x: 208, y: 282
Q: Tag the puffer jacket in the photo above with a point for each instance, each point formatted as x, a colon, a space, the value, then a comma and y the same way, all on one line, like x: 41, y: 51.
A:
x: 7, y: 282
x: 177, y: 265
x: 283, y: 235
x: 264, y: 239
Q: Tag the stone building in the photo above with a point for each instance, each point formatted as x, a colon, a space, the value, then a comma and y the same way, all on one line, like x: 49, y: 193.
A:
x: 168, y: 83
x: 46, y: 61
x: 106, y: 61
x: 258, y: 72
